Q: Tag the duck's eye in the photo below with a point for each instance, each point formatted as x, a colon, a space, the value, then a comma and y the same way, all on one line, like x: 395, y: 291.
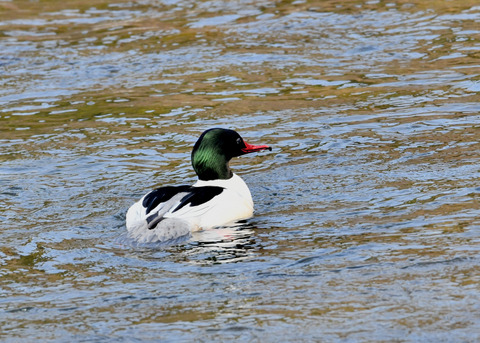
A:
x: 239, y: 141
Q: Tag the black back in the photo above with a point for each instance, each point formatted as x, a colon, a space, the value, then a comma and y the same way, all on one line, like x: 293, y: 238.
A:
x: 162, y: 194
x: 199, y: 195
x: 193, y: 195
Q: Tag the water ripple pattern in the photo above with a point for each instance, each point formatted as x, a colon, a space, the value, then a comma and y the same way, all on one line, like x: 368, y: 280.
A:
x: 367, y: 223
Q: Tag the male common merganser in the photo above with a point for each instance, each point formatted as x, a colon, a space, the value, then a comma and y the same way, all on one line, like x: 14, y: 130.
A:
x: 218, y: 198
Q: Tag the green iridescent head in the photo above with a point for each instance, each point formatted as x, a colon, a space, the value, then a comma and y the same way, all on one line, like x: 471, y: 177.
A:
x: 214, y: 149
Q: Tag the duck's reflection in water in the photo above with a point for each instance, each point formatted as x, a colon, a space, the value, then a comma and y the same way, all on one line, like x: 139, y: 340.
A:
x: 213, y: 246
x: 222, y: 245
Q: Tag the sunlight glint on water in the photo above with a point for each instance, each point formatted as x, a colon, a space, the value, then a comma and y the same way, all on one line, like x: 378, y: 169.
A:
x: 367, y: 209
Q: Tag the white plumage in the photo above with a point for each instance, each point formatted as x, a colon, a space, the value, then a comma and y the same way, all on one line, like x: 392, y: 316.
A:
x: 213, y: 213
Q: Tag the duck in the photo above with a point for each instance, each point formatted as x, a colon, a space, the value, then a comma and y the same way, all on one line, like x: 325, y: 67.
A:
x: 219, y: 198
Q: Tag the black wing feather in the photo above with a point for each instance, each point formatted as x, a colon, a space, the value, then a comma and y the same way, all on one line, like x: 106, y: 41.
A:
x: 162, y: 194
x: 199, y: 195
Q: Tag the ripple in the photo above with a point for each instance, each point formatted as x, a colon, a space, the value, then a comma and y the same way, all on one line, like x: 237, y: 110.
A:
x: 366, y: 209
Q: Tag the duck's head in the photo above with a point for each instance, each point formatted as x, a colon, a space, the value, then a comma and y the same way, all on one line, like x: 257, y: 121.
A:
x: 215, y: 148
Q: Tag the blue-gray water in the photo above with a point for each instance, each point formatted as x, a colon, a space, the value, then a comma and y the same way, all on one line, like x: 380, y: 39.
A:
x: 367, y: 224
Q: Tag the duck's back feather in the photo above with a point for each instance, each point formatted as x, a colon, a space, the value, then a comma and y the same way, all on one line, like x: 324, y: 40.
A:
x: 165, y: 201
x: 161, y: 195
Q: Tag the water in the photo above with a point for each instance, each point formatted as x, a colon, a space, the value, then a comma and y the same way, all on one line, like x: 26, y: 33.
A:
x: 367, y: 209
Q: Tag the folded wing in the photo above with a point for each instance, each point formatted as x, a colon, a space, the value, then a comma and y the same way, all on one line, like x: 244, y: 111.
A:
x: 170, y: 202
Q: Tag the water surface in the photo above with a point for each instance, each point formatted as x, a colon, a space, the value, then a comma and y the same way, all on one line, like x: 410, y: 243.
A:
x: 367, y: 209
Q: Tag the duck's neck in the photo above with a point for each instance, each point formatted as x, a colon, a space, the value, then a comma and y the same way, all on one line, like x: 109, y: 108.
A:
x: 210, y: 166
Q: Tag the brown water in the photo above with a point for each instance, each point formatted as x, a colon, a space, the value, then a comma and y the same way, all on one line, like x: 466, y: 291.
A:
x: 367, y: 225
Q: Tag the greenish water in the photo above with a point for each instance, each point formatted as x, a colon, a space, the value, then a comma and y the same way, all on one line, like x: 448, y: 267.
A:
x: 367, y: 224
